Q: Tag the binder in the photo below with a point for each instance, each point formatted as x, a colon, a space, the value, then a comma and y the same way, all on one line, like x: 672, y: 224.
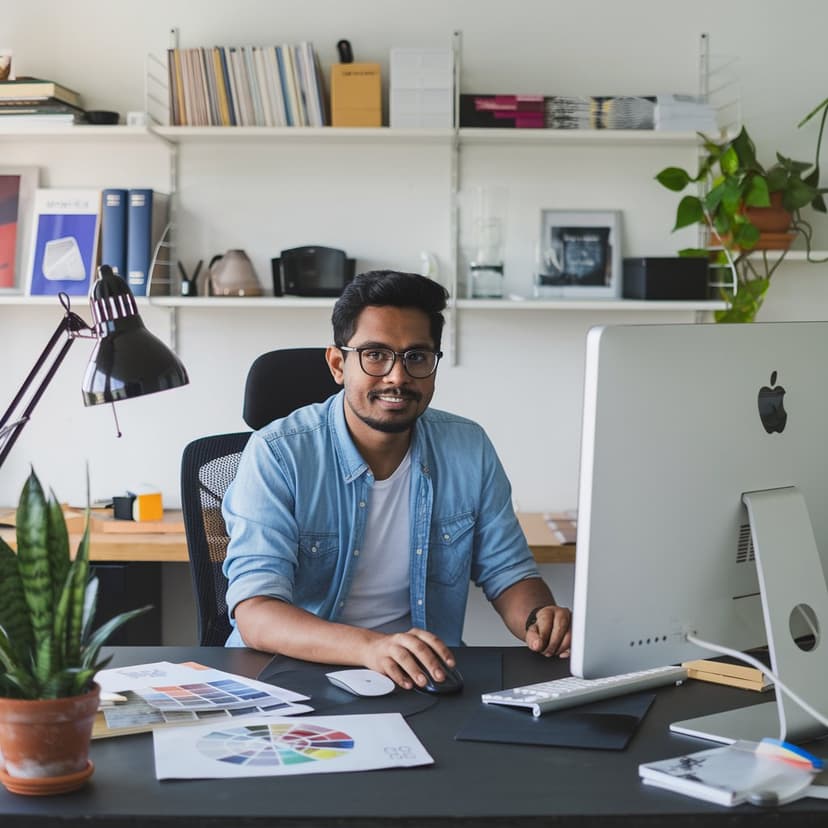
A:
x: 114, y: 230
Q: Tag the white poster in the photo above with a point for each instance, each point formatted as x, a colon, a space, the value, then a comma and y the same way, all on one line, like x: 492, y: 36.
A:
x: 282, y: 746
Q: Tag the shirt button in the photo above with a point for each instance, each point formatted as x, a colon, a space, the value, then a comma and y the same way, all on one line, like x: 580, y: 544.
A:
x: 419, y: 551
x: 313, y: 549
x: 446, y: 537
x: 361, y: 504
x: 341, y: 603
x: 356, y: 553
x: 419, y: 602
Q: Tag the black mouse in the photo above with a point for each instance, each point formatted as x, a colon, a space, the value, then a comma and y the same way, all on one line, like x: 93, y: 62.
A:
x: 453, y: 682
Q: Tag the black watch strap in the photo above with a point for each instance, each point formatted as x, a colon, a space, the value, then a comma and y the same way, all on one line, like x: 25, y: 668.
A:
x: 533, y: 616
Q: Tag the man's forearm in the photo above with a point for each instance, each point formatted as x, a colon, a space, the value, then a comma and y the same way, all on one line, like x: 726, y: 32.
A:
x: 278, y: 627
x: 516, y: 602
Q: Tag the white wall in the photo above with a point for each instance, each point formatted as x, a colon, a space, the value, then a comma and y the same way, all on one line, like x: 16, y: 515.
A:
x: 519, y: 372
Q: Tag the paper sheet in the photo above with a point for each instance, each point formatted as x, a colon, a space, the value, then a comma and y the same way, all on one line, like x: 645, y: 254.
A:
x: 279, y: 746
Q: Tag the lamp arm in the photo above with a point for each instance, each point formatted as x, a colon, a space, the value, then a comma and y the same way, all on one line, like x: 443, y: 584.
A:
x: 72, y: 326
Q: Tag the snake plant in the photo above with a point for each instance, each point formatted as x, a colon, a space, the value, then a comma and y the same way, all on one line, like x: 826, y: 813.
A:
x: 47, y: 604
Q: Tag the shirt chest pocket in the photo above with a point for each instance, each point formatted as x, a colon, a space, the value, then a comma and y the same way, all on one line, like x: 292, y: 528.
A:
x: 318, y: 553
x: 450, y: 548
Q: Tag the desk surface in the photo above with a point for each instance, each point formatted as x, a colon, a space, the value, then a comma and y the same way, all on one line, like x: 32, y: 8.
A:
x: 172, y: 546
x: 470, y: 784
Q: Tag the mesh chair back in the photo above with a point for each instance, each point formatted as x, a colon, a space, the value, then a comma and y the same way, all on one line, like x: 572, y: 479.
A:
x: 278, y: 382
x: 208, y: 465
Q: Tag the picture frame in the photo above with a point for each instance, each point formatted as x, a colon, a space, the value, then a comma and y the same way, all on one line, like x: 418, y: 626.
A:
x: 17, y: 191
x: 579, y: 254
x: 64, y: 246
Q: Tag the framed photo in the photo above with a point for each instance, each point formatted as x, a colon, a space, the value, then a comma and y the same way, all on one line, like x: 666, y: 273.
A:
x: 579, y: 254
x: 17, y: 189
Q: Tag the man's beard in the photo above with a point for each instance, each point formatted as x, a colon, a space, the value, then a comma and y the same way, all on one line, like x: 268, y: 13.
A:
x: 392, y: 426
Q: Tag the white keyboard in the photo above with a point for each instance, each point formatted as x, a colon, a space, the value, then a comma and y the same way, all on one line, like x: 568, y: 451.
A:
x: 571, y: 691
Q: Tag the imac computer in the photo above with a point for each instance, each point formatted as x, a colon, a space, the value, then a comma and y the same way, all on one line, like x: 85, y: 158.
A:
x: 703, y: 509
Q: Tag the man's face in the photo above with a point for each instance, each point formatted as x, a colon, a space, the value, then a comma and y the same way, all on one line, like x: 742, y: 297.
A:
x: 389, y: 404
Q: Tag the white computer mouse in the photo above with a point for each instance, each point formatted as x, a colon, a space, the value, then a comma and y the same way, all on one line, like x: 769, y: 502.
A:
x: 362, y: 682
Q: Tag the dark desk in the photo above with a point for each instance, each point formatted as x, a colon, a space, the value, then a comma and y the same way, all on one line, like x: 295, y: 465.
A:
x: 470, y: 784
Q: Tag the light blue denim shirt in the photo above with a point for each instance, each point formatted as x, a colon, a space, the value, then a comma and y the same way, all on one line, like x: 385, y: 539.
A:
x: 296, y: 515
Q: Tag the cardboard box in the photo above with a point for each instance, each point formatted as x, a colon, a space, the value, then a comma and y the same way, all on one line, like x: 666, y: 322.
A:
x: 356, y: 98
x: 665, y: 278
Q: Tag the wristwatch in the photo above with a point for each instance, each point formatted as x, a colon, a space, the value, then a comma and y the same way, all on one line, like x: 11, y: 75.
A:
x: 533, y: 616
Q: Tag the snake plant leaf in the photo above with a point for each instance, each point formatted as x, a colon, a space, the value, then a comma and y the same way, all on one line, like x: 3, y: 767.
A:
x: 33, y: 560
x: 44, y: 662
x: 90, y: 602
x: 58, y: 545
x: 14, y: 612
x: 80, y: 570
x: 61, y: 621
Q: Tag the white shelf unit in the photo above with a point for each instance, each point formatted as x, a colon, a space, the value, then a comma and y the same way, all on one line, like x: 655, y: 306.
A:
x: 232, y: 142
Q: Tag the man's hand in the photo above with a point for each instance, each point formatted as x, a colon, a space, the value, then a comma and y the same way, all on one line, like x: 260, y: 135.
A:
x: 550, y: 634
x: 396, y: 656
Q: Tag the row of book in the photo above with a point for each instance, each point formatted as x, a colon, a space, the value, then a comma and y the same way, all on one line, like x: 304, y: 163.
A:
x: 35, y: 101
x: 658, y: 112
x: 246, y: 86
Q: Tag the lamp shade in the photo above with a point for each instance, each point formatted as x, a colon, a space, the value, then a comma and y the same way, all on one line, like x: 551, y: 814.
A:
x: 127, y: 361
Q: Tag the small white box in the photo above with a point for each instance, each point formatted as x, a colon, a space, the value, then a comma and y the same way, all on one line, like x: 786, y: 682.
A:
x: 422, y: 88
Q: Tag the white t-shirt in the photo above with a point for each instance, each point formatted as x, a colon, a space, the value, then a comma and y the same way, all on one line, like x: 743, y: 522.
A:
x: 379, y: 595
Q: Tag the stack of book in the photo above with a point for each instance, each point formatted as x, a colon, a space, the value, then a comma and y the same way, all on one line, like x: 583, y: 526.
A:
x: 600, y: 112
x: 246, y: 86
x: 41, y: 102
x: 510, y: 111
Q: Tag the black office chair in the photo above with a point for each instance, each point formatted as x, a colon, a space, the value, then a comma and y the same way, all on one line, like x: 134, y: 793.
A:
x: 278, y: 382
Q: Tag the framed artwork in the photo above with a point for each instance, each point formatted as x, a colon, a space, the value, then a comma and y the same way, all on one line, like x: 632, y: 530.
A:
x: 579, y: 254
x: 64, y: 249
x: 17, y: 189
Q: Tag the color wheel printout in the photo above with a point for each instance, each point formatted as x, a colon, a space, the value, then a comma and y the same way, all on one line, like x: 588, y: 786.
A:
x: 280, y: 746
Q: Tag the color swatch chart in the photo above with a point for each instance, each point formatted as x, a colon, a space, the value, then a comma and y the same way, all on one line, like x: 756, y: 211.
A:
x: 227, y: 694
x: 275, y: 744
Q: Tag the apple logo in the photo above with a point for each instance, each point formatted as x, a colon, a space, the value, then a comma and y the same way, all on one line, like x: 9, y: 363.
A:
x: 772, y: 406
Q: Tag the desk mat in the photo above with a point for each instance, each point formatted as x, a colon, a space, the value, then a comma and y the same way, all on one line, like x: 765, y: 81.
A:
x: 480, y: 671
x: 605, y: 725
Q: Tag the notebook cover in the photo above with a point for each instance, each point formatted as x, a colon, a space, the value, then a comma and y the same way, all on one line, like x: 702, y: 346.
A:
x: 604, y: 725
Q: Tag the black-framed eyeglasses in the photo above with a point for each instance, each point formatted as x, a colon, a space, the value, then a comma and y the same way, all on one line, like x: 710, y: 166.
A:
x: 419, y: 363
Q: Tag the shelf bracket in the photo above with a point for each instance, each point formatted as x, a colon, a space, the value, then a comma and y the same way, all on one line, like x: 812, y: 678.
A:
x: 454, y: 207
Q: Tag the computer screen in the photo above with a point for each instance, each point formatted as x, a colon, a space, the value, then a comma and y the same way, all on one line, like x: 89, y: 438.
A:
x: 679, y: 422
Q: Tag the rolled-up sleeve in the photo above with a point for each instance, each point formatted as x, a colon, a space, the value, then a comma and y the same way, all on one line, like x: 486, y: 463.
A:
x: 258, y: 511
x: 502, y: 556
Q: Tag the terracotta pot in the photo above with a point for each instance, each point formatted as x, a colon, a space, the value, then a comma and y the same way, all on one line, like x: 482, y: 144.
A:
x: 774, y: 219
x: 44, y: 744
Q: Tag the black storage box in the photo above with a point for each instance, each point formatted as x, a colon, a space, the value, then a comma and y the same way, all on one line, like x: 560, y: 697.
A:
x: 665, y: 277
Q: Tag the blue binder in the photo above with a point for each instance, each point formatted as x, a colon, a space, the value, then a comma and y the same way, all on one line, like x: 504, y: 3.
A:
x: 139, y: 240
x: 114, y: 230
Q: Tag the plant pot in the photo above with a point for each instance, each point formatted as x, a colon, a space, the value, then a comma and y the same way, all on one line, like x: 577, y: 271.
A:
x: 774, y: 219
x: 44, y: 744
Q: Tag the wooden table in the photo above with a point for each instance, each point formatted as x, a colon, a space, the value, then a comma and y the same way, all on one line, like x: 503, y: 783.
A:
x: 171, y: 546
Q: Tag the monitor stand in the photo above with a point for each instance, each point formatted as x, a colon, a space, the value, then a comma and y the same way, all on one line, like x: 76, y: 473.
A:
x: 792, y: 585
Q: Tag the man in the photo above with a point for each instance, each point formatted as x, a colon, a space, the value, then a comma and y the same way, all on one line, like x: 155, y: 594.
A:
x: 355, y: 524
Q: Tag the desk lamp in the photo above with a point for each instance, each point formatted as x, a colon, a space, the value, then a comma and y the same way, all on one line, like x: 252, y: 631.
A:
x: 127, y: 361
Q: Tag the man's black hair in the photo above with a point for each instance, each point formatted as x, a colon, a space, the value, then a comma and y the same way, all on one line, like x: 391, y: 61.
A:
x: 389, y: 287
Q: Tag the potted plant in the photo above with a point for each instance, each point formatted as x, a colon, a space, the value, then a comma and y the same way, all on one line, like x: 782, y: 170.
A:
x: 48, y: 652
x: 747, y: 211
